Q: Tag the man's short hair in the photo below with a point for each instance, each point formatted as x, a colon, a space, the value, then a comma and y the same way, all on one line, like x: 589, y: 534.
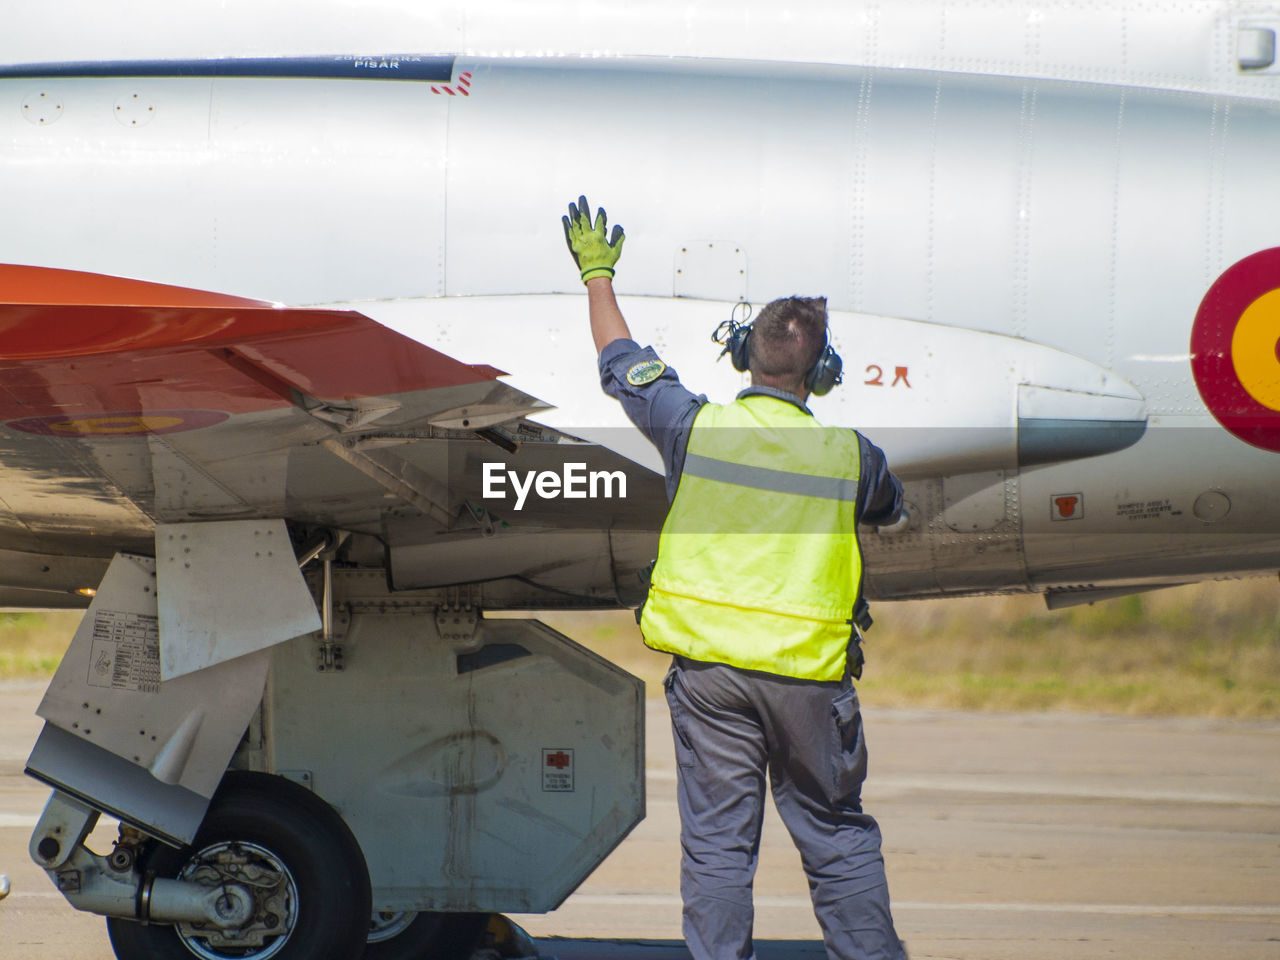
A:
x: 788, y: 336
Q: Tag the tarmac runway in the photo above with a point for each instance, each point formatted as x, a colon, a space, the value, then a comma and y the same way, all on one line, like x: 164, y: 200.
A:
x: 1007, y: 837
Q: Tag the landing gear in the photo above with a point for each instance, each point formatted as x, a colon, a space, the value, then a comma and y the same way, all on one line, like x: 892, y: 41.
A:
x: 424, y: 936
x: 283, y: 851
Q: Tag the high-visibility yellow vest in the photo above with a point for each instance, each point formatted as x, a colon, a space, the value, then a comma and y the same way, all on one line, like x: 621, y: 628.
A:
x: 758, y: 563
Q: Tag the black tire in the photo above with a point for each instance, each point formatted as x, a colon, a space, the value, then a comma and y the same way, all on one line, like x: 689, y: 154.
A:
x: 307, y: 837
x: 432, y: 936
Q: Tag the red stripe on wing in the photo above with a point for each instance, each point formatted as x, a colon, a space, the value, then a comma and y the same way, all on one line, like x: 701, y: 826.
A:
x: 22, y: 284
x: 83, y: 343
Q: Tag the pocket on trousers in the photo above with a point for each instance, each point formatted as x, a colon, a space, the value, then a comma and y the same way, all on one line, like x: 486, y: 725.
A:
x: 679, y: 731
x: 849, y: 757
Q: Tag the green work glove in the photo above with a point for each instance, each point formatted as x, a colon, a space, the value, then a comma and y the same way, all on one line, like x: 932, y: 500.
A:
x: 594, y: 254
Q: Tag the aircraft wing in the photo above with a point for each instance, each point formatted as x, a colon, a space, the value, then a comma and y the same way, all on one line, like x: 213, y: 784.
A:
x: 126, y: 404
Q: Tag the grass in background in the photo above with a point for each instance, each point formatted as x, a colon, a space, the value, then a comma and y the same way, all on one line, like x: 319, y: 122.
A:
x: 31, y: 644
x: 1209, y: 649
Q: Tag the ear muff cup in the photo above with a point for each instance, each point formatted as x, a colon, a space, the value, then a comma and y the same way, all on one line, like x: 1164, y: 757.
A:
x: 739, y: 354
x: 826, y: 373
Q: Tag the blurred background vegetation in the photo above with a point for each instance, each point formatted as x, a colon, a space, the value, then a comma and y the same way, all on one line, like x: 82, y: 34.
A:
x: 31, y: 644
x: 1210, y: 649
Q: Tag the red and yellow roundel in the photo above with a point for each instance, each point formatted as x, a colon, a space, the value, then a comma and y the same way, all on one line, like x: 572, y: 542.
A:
x: 1235, y: 349
x: 126, y: 424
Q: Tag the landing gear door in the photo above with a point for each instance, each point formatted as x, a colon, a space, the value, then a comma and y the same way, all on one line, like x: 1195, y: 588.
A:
x: 148, y: 752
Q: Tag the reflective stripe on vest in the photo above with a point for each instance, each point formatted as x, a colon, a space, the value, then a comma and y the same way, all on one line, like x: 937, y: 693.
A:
x: 764, y: 478
x: 758, y: 565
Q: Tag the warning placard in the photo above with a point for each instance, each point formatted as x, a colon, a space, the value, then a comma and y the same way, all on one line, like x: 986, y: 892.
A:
x: 557, y: 770
x: 125, y: 651
x: 1066, y: 506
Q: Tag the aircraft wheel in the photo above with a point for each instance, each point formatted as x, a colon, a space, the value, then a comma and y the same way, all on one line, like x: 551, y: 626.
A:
x: 424, y: 936
x: 306, y: 873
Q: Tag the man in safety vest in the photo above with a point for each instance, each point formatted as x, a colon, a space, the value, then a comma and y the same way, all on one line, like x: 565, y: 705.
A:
x: 757, y: 593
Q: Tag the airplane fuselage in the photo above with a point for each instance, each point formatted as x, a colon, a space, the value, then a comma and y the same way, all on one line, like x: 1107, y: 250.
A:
x: 958, y: 225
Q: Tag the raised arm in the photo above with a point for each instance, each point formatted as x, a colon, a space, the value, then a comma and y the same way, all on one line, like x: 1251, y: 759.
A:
x: 607, y: 322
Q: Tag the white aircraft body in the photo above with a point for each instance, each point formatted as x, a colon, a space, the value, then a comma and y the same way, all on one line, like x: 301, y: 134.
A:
x: 1045, y: 230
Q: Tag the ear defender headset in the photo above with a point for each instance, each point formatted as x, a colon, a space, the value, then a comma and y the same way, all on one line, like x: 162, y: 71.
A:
x: 735, y: 337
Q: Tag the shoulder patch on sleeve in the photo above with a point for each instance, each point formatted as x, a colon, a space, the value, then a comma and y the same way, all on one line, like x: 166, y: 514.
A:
x: 646, y: 371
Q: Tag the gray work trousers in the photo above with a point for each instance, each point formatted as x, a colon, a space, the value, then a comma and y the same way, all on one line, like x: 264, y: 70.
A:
x: 731, y: 725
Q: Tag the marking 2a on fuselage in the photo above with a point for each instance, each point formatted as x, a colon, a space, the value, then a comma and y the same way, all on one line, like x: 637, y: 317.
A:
x: 875, y: 376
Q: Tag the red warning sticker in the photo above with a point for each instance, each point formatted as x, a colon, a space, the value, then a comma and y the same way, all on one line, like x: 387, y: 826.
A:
x: 1066, y: 506
x: 462, y: 86
x: 557, y: 770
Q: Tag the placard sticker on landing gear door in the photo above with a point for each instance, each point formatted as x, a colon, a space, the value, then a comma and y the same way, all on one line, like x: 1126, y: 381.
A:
x: 125, y: 651
x: 557, y: 770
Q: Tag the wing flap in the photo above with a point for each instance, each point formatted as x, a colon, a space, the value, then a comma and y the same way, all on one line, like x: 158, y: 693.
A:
x: 167, y: 404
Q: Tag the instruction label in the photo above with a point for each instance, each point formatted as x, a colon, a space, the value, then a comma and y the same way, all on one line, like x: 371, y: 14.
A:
x: 1147, y: 509
x: 557, y: 770
x: 125, y: 653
